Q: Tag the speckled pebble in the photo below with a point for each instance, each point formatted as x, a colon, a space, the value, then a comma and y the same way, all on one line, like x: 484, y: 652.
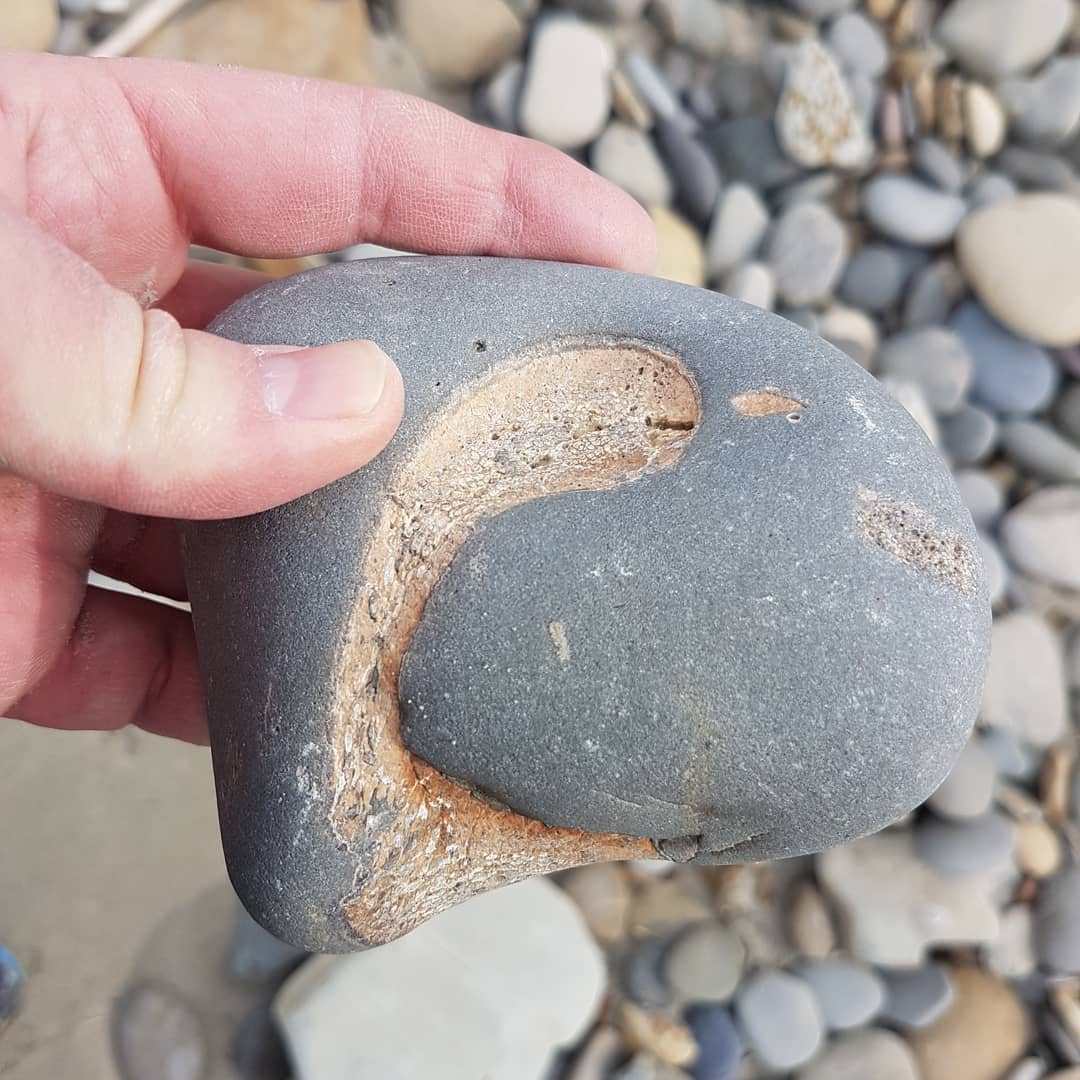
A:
x: 849, y: 994
x: 969, y: 435
x: 969, y: 789
x: 807, y: 252
x: 934, y: 358
x: 957, y: 849
x: 1041, y: 536
x: 916, y: 997
x: 1011, y: 376
x: 705, y: 963
x: 912, y: 212
x: 738, y: 227
x: 781, y: 1019
x: 1038, y: 449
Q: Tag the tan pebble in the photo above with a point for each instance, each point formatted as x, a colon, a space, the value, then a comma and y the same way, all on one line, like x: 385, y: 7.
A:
x: 630, y: 106
x: 602, y: 892
x: 665, y: 904
x: 911, y: 21
x: 27, y: 24
x: 1057, y: 765
x: 985, y: 123
x: 882, y: 10
x: 949, y: 107
x: 980, y: 1037
x: 924, y: 98
x: 680, y: 256
x: 657, y: 1034
x: 1038, y: 849
x: 810, y: 924
x: 790, y: 27
x: 1065, y: 1001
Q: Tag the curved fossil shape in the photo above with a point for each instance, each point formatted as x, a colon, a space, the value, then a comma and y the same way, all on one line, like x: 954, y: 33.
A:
x: 646, y: 572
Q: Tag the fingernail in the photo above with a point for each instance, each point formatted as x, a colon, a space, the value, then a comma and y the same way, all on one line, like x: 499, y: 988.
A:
x: 331, y: 382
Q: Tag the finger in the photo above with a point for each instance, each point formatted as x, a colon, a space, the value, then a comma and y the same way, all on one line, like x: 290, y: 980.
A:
x: 130, y: 159
x: 127, y: 661
x: 206, y: 289
x: 104, y: 402
x: 141, y: 551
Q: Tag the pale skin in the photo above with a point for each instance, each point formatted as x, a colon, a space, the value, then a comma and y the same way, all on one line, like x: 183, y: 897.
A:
x: 120, y: 414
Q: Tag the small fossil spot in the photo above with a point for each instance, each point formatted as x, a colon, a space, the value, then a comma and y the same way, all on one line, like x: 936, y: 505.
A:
x: 911, y: 536
x: 557, y: 633
x: 480, y: 345
x: 767, y: 402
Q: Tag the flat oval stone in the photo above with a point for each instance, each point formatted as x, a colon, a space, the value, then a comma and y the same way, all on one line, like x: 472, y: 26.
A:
x: 864, y: 1055
x: 850, y: 995
x: 681, y: 542
x: 780, y: 1017
x: 969, y: 435
x: 962, y: 848
x: 910, y: 211
x: 916, y: 997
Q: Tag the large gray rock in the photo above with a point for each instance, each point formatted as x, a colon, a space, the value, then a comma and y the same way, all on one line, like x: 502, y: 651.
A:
x: 696, y: 631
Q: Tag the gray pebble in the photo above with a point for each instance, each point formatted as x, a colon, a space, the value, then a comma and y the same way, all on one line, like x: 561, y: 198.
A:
x: 933, y: 357
x: 156, y: 1033
x: 912, y: 212
x: 821, y: 9
x: 865, y: 95
x: 626, y: 156
x: 938, y: 164
x: 969, y: 435
x: 743, y: 89
x: 849, y: 994
x: 1036, y: 170
x: 1038, y: 449
x: 859, y: 44
x: 1041, y: 536
x: 607, y: 10
x: 969, y: 789
x: 650, y: 83
x: 738, y: 227
x: 875, y: 277
x: 692, y: 168
x: 1013, y: 758
x: 933, y: 293
x: 752, y: 283
x: 780, y: 1018
x: 1057, y: 922
x: 806, y: 317
x: 706, y: 963
x: 1072, y: 664
x: 989, y: 189
x: 817, y: 187
x: 982, y: 495
x: 1067, y: 412
x: 963, y: 848
x: 746, y: 149
x: 807, y: 252
x: 677, y: 65
x: 641, y: 974
x: 702, y: 101
x: 501, y: 94
x: 916, y: 997
x: 1045, y: 110
x: 910, y: 395
x: 995, y: 567
x: 1012, y: 376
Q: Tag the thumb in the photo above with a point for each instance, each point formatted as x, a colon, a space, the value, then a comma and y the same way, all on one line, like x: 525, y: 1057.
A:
x: 104, y: 402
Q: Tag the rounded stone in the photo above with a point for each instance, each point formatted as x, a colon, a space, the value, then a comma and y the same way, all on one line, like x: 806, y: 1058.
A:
x: 1041, y: 536
x: 1022, y: 258
x: 1012, y: 377
x: 916, y: 997
x: 626, y: 156
x: 781, y: 1019
x: 851, y: 330
x: 969, y: 789
x: 864, y: 1055
x: 1038, y: 849
x: 746, y: 149
x: 932, y: 294
x: 859, y: 44
x: 1057, y: 922
x: 994, y: 38
x: 850, y: 995
x: 566, y: 97
x: 1067, y: 412
x: 807, y: 252
x: 737, y: 230
x: 680, y: 256
x: 720, y: 1048
x: 969, y: 435
x: 933, y: 357
x: 989, y: 189
x: 875, y: 277
x: 821, y: 9
x: 964, y: 848
x: 939, y: 164
x: 752, y: 283
x: 1038, y: 449
x: 706, y: 963
x: 1014, y: 758
x: 985, y: 122
x: 995, y: 568
x: 546, y: 608
x: 156, y: 1033
x: 982, y: 494
x: 1045, y: 110
x: 912, y: 212
x: 692, y: 167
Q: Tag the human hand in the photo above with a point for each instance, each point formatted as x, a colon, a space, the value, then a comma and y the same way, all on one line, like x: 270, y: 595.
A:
x: 118, y: 413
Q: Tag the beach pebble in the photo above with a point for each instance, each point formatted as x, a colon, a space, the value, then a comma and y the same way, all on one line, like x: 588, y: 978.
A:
x: 980, y: 1037
x: 1045, y: 110
x: 910, y: 395
x: 680, y: 256
x: 1067, y: 412
x: 738, y: 227
x: 692, y: 168
x: 643, y: 1066
x: 780, y: 1017
x: 567, y: 93
x: 851, y: 330
x: 1036, y: 169
x: 1041, y: 536
x: 969, y: 789
x: 752, y: 283
x: 463, y: 44
x: 956, y: 849
x: 498, y: 99
x: 705, y: 963
x: 896, y: 907
x: 1025, y: 681
x: 1022, y: 258
x: 932, y: 293
x: 821, y: 9
x: 863, y: 1055
x: 157, y: 1033
x: 875, y: 277
x: 934, y: 358
x: 720, y: 1048
x: 910, y: 211
x: 982, y: 495
x: 626, y: 156
x: 916, y: 997
x: 705, y: 27
x: 989, y: 189
x: 995, y: 38
x: 859, y: 44
x: 28, y: 24
x: 1014, y: 758
x: 640, y: 973
x: 938, y: 164
x: 810, y: 924
x: 1038, y: 449
x: 746, y: 149
x: 652, y: 86
x: 1012, y: 955
x: 816, y: 120
x: 1012, y: 376
x: 996, y: 569
x: 1057, y: 922
x: 850, y: 995
x: 658, y: 1034
x: 607, y: 10
x: 986, y: 124
x: 969, y: 435
x: 1038, y: 849
x: 807, y: 252
x: 602, y: 893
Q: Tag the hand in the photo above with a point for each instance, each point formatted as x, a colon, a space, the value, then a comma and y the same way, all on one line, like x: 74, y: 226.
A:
x: 117, y: 412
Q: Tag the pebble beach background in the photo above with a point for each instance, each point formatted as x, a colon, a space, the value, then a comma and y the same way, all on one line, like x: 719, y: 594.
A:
x: 898, y: 176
